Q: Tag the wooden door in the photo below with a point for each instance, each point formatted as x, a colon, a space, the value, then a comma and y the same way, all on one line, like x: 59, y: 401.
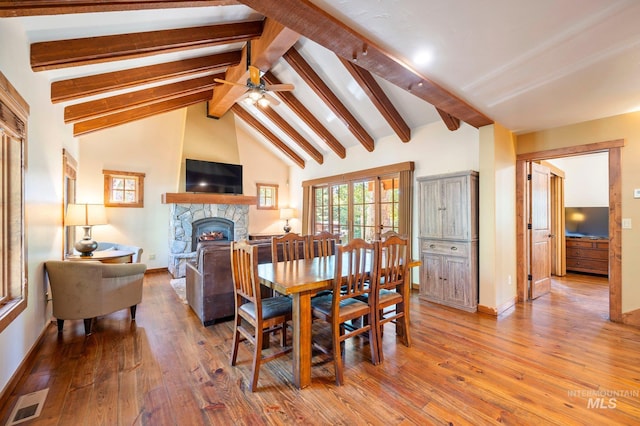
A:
x: 540, y: 234
x: 431, y: 280
x: 454, y: 209
x: 430, y: 209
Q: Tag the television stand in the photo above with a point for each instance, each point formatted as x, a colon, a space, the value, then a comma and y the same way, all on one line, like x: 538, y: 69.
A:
x: 587, y: 254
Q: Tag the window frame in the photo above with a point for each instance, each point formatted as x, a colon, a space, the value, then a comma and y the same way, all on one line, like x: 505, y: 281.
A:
x: 13, y: 125
x: 267, y: 186
x: 109, y: 175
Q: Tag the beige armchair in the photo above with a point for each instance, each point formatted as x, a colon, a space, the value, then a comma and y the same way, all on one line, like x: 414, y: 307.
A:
x: 88, y: 289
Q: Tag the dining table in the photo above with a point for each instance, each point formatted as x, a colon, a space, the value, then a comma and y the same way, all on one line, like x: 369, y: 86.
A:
x: 301, y: 279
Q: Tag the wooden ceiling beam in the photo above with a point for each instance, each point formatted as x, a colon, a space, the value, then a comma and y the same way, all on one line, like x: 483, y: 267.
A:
x: 75, y: 88
x: 125, y: 101
x: 50, y: 55
x: 317, y: 25
x: 112, y: 120
x: 253, y: 122
x: 51, y: 7
x: 381, y: 101
x: 265, y: 51
x: 289, y: 99
x: 302, y: 67
x: 450, y: 121
x: 282, y: 124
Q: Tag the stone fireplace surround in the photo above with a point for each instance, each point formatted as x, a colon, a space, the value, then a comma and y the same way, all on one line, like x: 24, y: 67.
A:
x: 181, y: 221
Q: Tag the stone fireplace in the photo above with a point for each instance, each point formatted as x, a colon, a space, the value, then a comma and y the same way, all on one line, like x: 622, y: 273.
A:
x: 188, y: 221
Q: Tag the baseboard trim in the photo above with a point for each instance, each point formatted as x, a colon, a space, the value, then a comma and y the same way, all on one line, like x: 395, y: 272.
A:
x: 157, y: 270
x: 631, y: 318
x: 500, y: 309
x: 28, y: 361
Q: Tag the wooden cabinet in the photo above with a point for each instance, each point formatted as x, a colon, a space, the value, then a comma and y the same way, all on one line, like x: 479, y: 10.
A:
x: 448, y: 209
x: 588, y: 255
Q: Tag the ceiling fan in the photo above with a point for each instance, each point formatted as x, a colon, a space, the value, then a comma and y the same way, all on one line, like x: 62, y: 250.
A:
x: 257, y: 90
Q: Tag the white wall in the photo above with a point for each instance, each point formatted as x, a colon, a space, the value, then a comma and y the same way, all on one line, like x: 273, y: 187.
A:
x: 47, y: 136
x: 152, y: 146
x: 586, y: 182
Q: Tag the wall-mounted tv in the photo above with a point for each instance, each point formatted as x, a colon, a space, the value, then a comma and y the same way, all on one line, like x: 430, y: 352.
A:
x: 587, y: 221
x: 209, y: 176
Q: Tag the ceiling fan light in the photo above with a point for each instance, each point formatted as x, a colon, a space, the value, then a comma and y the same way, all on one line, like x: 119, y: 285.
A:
x: 249, y: 101
x: 263, y: 102
x: 255, y: 95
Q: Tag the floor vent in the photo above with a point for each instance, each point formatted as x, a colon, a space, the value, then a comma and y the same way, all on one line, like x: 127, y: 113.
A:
x: 28, y: 407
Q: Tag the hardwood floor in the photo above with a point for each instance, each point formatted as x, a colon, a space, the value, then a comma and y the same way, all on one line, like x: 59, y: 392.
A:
x: 557, y: 360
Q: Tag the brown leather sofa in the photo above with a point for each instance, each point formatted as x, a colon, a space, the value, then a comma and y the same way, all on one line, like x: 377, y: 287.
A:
x: 209, y: 285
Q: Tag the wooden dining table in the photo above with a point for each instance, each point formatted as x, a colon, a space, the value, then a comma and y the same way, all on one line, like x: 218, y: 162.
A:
x: 302, y: 279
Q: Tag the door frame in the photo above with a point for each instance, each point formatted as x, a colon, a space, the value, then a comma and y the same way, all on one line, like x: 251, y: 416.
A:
x: 615, y: 216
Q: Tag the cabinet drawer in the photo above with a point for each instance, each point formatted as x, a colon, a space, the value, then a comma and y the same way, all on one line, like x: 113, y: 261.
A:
x: 448, y: 248
x: 588, y: 265
x: 587, y: 253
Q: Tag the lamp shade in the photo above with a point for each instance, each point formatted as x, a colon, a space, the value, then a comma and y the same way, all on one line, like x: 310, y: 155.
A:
x: 286, y: 214
x: 85, y: 215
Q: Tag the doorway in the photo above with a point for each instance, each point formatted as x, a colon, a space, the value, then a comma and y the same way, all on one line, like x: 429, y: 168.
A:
x: 615, y: 216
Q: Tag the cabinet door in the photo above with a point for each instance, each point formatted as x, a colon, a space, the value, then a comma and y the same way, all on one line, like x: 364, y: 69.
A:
x: 455, y: 208
x: 430, y: 209
x: 456, y: 280
x: 431, y: 280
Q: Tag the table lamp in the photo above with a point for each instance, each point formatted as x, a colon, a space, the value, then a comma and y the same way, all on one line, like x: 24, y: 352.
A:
x: 86, y: 215
x: 286, y: 214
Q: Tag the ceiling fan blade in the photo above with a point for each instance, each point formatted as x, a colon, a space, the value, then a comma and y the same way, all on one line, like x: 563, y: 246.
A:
x: 279, y: 87
x: 272, y: 99
x: 219, y: 80
x: 254, y: 75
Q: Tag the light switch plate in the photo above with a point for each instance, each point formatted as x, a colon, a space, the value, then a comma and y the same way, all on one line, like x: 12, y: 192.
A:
x: 626, y: 223
x: 636, y: 193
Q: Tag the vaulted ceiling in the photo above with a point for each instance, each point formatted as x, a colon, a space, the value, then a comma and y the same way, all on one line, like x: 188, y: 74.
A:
x: 356, y: 66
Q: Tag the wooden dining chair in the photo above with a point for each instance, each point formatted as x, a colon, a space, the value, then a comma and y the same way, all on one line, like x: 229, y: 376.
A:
x: 290, y: 246
x: 355, y: 270
x: 392, y: 301
x: 261, y: 316
x: 323, y: 244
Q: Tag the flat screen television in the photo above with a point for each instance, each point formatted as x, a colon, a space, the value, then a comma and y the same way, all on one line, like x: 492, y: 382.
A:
x: 587, y: 222
x: 213, y: 177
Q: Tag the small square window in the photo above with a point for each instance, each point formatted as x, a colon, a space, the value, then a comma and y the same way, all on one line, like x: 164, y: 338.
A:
x: 267, y: 196
x: 123, y: 189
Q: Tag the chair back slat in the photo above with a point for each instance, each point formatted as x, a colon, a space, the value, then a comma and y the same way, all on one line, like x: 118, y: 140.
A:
x: 288, y: 247
x: 356, y: 268
x: 323, y: 244
x: 244, y: 269
x: 393, y: 262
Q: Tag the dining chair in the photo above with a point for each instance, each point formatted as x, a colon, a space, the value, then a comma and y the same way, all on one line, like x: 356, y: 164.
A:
x: 355, y: 270
x: 262, y: 316
x: 289, y: 246
x: 392, y: 298
x: 322, y: 244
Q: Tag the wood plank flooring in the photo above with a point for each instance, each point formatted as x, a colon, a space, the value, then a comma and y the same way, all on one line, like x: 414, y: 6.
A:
x: 557, y: 360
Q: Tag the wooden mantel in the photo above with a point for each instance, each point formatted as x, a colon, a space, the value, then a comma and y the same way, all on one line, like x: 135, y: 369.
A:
x: 202, y: 198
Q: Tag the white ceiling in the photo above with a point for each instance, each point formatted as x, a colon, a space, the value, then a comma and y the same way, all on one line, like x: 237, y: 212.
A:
x: 528, y: 65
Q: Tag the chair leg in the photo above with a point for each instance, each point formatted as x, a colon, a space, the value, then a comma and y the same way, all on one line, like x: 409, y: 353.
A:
x: 133, y: 312
x: 257, y: 357
x: 60, y: 325
x: 236, y: 340
x: 374, y: 342
x: 87, y: 326
x: 403, y: 322
x: 337, y: 355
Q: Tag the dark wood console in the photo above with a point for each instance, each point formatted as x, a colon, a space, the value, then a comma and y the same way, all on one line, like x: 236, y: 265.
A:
x: 588, y: 255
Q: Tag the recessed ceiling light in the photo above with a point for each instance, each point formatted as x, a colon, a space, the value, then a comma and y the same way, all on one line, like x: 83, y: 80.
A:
x: 423, y: 57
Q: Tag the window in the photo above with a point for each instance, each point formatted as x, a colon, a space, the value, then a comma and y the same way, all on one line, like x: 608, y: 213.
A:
x: 123, y: 189
x: 14, y: 112
x: 267, y: 196
x: 362, y: 204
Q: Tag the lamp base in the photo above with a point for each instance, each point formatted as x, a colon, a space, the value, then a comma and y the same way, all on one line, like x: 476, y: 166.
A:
x: 287, y: 228
x: 86, y: 247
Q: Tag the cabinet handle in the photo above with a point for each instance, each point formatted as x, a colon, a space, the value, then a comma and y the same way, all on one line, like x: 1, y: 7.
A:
x: 432, y: 246
x: 454, y: 248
